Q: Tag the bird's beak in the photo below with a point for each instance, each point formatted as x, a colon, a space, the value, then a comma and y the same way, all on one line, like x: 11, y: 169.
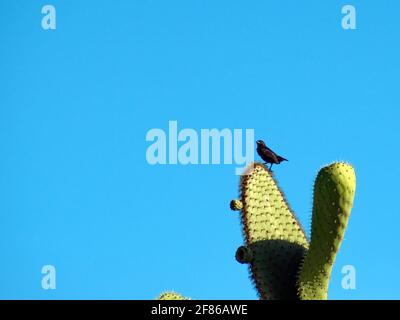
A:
x: 258, y: 141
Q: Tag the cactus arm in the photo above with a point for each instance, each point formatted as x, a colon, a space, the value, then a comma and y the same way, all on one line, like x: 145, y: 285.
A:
x: 274, y: 240
x: 334, y: 191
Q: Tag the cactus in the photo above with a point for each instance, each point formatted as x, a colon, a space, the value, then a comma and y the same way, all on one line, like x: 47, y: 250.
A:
x: 171, y: 296
x: 282, y: 263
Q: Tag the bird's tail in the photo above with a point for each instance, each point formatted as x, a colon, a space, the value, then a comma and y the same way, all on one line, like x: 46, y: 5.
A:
x: 281, y: 159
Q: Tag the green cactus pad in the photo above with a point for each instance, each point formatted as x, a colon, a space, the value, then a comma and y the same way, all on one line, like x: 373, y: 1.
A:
x: 171, y: 296
x: 274, y: 240
x: 334, y: 191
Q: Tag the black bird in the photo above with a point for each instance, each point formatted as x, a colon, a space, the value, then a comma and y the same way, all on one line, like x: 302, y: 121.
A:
x: 267, y: 154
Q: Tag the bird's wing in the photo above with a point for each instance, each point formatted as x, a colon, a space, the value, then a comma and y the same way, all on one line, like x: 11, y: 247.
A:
x: 271, y: 154
x: 269, y: 149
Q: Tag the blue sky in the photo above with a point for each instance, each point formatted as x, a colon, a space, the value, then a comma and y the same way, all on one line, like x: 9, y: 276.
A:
x: 76, y: 103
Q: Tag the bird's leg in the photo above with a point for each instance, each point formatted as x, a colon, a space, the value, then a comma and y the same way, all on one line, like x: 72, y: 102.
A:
x: 270, y: 167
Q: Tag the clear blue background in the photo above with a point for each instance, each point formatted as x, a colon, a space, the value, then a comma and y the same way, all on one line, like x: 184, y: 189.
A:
x: 76, y: 104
